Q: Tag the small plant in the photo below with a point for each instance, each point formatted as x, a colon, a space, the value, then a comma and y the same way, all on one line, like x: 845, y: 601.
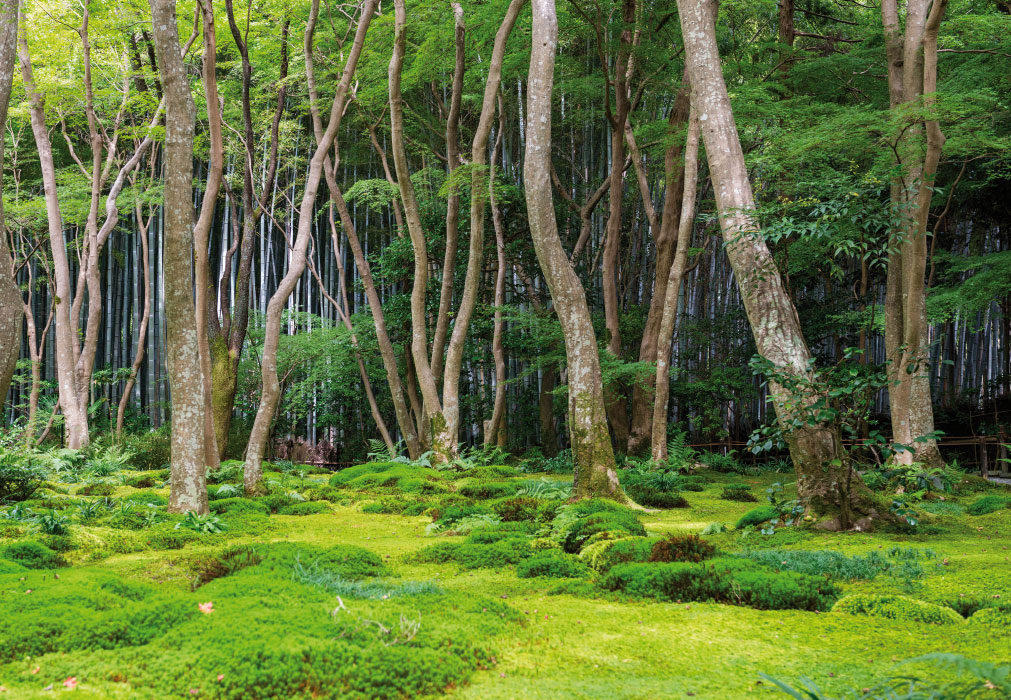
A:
x: 545, y: 489
x: 787, y: 510
x: 739, y: 493
x: 20, y: 477
x: 379, y: 451
x: 204, y: 524
x: 680, y: 455
x: 559, y: 464
x: 53, y: 523
x: 689, y: 547
x: 902, y: 511
x: 110, y: 461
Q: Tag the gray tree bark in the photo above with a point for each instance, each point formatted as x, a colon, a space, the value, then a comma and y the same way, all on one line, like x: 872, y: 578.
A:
x: 11, y: 315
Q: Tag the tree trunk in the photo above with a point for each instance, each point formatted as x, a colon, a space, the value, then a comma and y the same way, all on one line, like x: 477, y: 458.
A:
x: 443, y: 443
x: 271, y: 391
x: 668, y: 321
x: 827, y: 483
x: 496, y: 433
x: 142, y: 229
x: 591, y: 444
x: 75, y: 415
x: 10, y: 296
x: 188, y: 479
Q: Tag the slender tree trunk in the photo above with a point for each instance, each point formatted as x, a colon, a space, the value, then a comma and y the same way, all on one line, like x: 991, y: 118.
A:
x: 188, y: 479
x: 827, y: 484
x: 271, y: 391
x: 591, y: 444
x: 75, y: 415
x: 668, y: 320
x: 10, y: 296
x: 475, y: 259
x: 443, y: 443
x: 138, y: 360
x: 496, y: 433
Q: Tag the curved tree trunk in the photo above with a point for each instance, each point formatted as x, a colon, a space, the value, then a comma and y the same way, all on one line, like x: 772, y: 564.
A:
x: 188, y: 479
x: 591, y: 444
x: 826, y: 480
x: 271, y: 391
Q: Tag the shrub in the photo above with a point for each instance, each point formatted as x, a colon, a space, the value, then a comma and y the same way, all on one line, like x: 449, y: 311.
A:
x: 96, y: 489
x: 19, y: 479
x: 32, y: 555
x: 520, y: 508
x: 897, y: 607
x: 601, y: 556
x: 552, y: 564
x: 151, y: 450
x: 998, y: 618
x: 228, y: 472
x: 654, y: 498
x: 234, y: 506
x: 723, y: 463
x: 483, y: 490
x: 468, y: 555
x: 757, y: 516
x: 307, y: 508
x: 624, y: 522
x: 741, y: 494
x: 674, y: 547
x: 988, y: 504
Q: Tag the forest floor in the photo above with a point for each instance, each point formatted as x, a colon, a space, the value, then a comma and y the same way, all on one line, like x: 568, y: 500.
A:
x: 121, y: 619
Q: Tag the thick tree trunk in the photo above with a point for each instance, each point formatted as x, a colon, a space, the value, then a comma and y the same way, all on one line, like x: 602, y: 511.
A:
x: 475, y: 259
x: 75, y: 415
x: 188, y: 479
x: 10, y: 296
x: 271, y: 391
x: 672, y: 288
x: 443, y: 443
x: 591, y: 444
x: 826, y: 481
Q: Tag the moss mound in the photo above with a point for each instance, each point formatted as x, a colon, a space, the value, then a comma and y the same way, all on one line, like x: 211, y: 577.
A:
x: 897, y: 607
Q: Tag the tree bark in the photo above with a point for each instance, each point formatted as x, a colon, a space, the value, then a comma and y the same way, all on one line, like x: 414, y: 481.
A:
x: 188, y: 479
x: 10, y: 296
x: 75, y: 415
x: 138, y: 359
x: 496, y: 433
x: 271, y: 391
x: 826, y: 483
x: 443, y: 443
x: 668, y: 320
x: 591, y: 444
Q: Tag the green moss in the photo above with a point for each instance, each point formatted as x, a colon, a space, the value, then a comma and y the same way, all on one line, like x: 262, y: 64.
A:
x: 32, y: 555
x: 990, y: 503
x: 756, y: 516
x: 552, y: 564
x: 897, y: 607
x: 601, y: 556
x: 997, y: 619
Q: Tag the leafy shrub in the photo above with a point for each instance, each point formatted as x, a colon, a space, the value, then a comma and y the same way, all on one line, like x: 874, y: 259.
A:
x: 561, y: 463
x: 506, y: 552
x: 151, y: 450
x: 988, y: 504
x: 53, y: 523
x: 616, y: 521
x: 19, y: 478
x: 552, y: 564
x: 307, y: 508
x: 601, y: 556
x: 32, y: 555
x: 675, y: 547
x: 741, y: 494
x: 234, y: 506
x: 654, y: 498
x: 897, y: 607
x: 483, y: 490
x: 723, y: 463
x: 228, y: 472
x: 722, y: 580
x: 757, y: 516
x: 96, y: 489
x: 998, y: 618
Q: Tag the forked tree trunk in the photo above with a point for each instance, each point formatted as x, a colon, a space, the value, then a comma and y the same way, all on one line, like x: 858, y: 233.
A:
x: 10, y: 296
x: 188, y: 479
x: 271, y: 391
x: 443, y: 443
x: 478, y: 198
x: 672, y: 289
x: 591, y: 444
x: 826, y: 483
x: 75, y: 415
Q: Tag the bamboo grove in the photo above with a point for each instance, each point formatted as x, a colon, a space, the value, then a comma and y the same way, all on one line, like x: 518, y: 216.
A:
x: 582, y: 224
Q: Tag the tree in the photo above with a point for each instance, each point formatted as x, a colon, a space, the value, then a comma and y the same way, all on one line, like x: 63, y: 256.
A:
x: 591, y: 444
x: 188, y: 477
x: 826, y: 482
x: 10, y: 297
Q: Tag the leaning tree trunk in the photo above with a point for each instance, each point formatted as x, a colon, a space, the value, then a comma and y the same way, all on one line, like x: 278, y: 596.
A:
x: 188, y: 479
x: 672, y: 289
x: 591, y: 444
x: 75, y: 415
x: 826, y: 481
x: 10, y: 296
x: 443, y: 443
x: 271, y: 392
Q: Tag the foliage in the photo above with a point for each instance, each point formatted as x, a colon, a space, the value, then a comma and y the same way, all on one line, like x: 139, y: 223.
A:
x: 990, y: 503
x: 204, y: 524
x: 676, y: 547
x: 53, y: 523
x: 20, y: 477
x: 545, y: 489
x: 552, y: 564
x: 897, y: 607
x: 602, y: 555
